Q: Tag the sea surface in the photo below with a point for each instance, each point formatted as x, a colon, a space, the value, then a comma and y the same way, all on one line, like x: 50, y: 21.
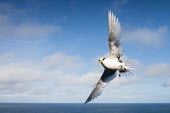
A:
x: 81, y: 108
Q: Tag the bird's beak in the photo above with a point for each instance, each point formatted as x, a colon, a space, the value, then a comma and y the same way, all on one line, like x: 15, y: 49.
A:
x: 100, y: 61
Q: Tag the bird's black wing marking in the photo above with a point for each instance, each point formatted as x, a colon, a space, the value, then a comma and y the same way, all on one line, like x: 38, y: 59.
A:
x: 107, y: 75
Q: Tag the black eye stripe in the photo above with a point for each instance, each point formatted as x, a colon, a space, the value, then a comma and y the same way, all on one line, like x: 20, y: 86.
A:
x: 103, y: 58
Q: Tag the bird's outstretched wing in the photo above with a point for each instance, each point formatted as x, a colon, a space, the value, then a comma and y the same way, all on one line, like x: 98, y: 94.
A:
x: 106, y: 77
x: 114, y: 36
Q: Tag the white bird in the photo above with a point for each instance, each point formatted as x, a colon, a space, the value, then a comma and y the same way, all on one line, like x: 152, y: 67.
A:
x: 113, y: 64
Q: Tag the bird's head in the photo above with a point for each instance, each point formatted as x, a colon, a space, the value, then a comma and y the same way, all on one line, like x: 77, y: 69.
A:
x: 101, y: 60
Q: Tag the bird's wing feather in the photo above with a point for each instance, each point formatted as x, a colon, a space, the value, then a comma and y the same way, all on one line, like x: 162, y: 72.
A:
x: 114, y: 36
x: 106, y: 77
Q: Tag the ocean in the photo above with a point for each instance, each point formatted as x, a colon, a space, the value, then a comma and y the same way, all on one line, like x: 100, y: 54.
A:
x: 81, y: 108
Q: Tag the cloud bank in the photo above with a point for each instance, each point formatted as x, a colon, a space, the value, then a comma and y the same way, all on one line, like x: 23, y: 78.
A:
x: 146, y: 36
x: 50, y: 76
x: 159, y: 70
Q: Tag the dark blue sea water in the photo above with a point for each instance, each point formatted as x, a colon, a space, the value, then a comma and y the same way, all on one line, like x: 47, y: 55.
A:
x: 81, y: 108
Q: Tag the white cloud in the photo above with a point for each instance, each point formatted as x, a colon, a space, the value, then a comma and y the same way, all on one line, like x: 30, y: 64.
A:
x: 146, y: 36
x: 120, y: 81
x: 23, y: 77
x: 89, y: 78
x: 16, y: 77
x: 62, y: 61
x: 158, y: 70
x: 26, y: 30
x: 6, y: 57
x: 166, y: 83
x: 35, y: 31
x: 34, y: 79
x: 22, y: 29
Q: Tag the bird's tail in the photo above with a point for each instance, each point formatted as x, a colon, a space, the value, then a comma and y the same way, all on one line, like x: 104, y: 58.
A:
x: 129, y: 66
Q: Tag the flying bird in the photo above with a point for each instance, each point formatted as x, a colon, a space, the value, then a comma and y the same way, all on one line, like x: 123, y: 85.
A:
x: 113, y: 65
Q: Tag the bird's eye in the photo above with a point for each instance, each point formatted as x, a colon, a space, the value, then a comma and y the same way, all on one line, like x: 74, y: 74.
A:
x: 103, y: 58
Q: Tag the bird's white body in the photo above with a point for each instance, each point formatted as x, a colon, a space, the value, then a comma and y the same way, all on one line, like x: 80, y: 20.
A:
x: 112, y: 64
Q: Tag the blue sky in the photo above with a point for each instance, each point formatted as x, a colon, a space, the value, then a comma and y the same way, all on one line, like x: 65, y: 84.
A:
x: 49, y: 50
